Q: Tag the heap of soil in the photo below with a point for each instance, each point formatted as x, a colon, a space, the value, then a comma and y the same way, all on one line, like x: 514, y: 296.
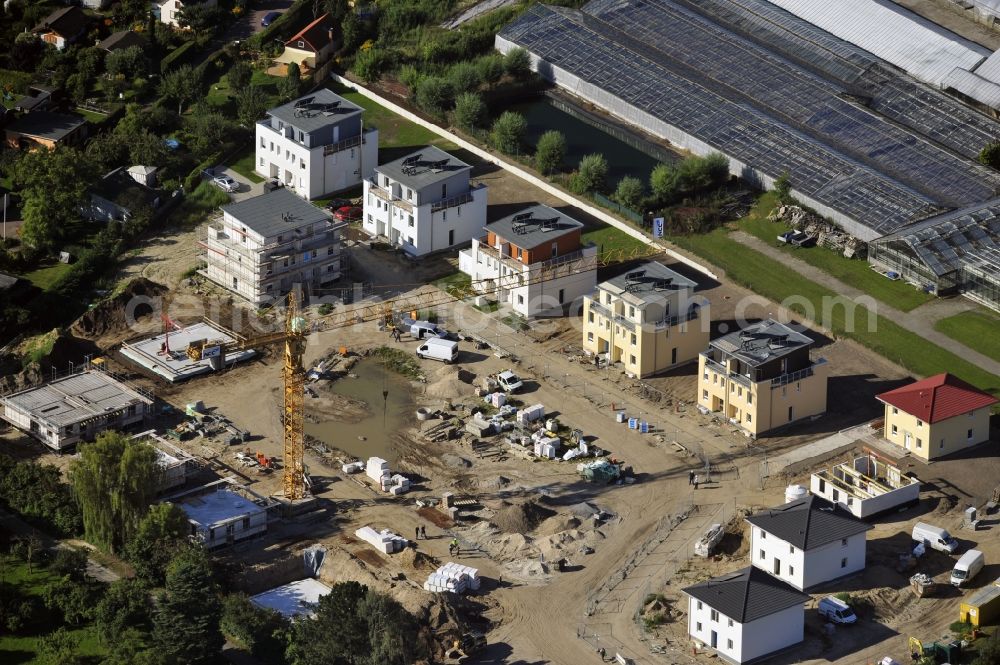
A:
x: 450, y: 383
x: 416, y: 560
x: 110, y: 314
x: 521, y: 518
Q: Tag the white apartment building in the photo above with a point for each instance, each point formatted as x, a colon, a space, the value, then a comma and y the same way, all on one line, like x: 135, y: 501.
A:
x: 316, y: 145
x: 424, y: 202
x: 746, y: 615
x: 265, y: 245
x: 534, y: 260
x: 807, y: 542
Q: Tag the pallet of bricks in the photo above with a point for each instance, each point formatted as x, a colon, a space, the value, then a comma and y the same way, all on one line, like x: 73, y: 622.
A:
x: 453, y: 577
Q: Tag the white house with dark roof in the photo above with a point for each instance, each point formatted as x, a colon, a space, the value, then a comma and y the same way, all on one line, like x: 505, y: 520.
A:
x: 265, y: 245
x: 533, y: 260
x: 746, y: 615
x: 316, y: 145
x: 807, y: 542
x: 424, y: 202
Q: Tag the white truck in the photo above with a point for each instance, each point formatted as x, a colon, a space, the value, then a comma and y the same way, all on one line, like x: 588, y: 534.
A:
x: 508, y: 381
x: 934, y: 537
x: 967, y: 567
x: 436, y: 348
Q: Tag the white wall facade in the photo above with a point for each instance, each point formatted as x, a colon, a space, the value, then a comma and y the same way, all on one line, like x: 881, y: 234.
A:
x: 313, y: 172
x: 230, y: 531
x: 548, y: 285
x: 170, y: 10
x: 805, y: 569
x: 419, y: 229
x: 863, y: 506
x: 748, y: 641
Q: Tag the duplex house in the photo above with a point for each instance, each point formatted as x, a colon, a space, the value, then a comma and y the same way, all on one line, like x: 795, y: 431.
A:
x: 62, y: 27
x: 424, y: 202
x: 316, y: 145
x: 45, y: 129
x: 937, y: 416
x: 746, y: 615
x: 310, y: 48
x: 534, y: 260
x: 266, y: 244
x: 762, y: 377
x: 648, y: 319
x: 807, y: 542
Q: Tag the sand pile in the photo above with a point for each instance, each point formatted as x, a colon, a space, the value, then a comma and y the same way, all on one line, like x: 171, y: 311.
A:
x: 521, y: 517
x: 500, y: 546
x: 556, y: 524
x: 419, y: 561
x: 570, y: 543
x: 449, y: 383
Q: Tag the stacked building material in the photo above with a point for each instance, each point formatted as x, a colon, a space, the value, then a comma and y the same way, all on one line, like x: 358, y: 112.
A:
x: 396, y: 484
x: 530, y: 414
x: 453, y: 577
x: 497, y: 399
x: 384, y: 541
x: 376, y: 468
x: 353, y: 467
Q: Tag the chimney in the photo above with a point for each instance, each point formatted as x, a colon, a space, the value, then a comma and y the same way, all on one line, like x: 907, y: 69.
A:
x: 329, y: 34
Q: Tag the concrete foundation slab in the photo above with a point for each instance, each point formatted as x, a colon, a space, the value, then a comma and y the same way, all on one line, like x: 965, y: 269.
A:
x: 174, y: 366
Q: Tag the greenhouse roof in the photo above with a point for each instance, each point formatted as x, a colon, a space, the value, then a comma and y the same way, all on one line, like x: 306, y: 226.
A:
x: 884, y: 167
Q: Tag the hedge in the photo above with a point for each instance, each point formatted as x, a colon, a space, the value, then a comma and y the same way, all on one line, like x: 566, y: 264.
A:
x: 194, y: 178
x: 177, y: 57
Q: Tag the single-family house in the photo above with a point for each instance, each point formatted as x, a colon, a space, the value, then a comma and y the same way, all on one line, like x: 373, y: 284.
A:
x: 45, y: 129
x: 117, y: 197
x: 761, y: 377
x: 310, y: 48
x: 170, y: 10
x: 647, y: 319
x: 745, y: 616
x: 121, y: 40
x: 37, y: 98
x: 807, y: 542
x: 534, y: 260
x: 424, y: 202
x: 62, y: 27
x: 937, y: 416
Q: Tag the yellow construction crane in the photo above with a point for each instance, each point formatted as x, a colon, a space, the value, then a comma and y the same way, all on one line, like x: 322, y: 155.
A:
x: 293, y: 337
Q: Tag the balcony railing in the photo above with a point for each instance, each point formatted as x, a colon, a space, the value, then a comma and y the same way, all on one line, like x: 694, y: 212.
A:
x: 792, y: 377
x: 741, y: 379
x: 452, y: 202
x: 677, y: 319
x: 346, y: 144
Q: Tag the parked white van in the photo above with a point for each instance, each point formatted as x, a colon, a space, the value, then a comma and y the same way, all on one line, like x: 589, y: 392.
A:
x: 836, y: 611
x: 934, y: 537
x: 436, y: 348
x: 425, y: 329
x: 967, y: 567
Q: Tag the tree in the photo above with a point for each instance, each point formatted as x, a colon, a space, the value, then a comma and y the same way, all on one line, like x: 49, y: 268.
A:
x: 53, y: 186
x: 464, y: 77
x: 629, y: 192
x: 159, y: 536
x: 517, y: 63
x: 360, y: 626
x: 70, y: 562
x: 128, y: 650
x: 128, y: 62
x: 145, y: 147
x: 593, y: 172
x: 58, y: 648
x: 115, y: 479
x: 209, y: 130
x: 26, y: 51
x: 435, y: 95
x: 370, y: 63
x: 200, y: 17
x: 290, y: 86
x: 663, y: 183
x: 176, y: 85
x: 186, y: 624
x: 29, y: 549
x: 550, y: 152
x: 783, y: 187
x: 988, y: 651
x: 337, y: 9
x: 508, y: 131
x: 251, y: 105
x: 74, y: 600
x: 125, y: 605
x: 352, y: 31
x: 490, y: 68
x: 470, y: 111
x: 36, y: 493
x: 263, y: 632
x: 240, y: 75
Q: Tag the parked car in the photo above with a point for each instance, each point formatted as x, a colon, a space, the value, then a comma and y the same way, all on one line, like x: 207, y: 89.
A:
x: 426, y: 329
x: 336, y: 204
x: 273, y: 184
x: 799, y: 238
x: 225, y: 183
x: 439, y: 349
x: 509, y: 382
x: 269, y: 18
x: 348, y: 213
x: 967, y: 567
x: 934, y: 537
x: 836, y: 611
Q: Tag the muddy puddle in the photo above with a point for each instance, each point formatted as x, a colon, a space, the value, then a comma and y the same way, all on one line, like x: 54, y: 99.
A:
x: 384, y: 416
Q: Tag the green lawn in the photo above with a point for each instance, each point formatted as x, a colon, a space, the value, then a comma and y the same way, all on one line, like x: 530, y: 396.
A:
x: 46, y: 276
x: 977, y: 329
x: 221, y: 95
x: 613, y: 243
x: 853, y: 272
x: 198, y: 204
x: 393, y: 131
x: 91, y: 116
x: 457, y: 283
x: 244, y: 164
x: 774, y: 281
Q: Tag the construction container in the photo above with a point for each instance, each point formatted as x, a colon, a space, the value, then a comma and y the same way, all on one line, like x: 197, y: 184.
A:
x: 981, y: 608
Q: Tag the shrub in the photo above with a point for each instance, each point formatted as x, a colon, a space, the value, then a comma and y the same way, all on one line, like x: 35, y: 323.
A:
x: 663, y: 183
x: 435, y: 95
x: 593, y: 172
x: 629, y: 192
x: 990, y: 155
x: 410, y: 76
x: 490, y: 68
x: 464, y: 77
x: 470, y: 111
x: 517, y: 63
x: 783, y: 189
x: 507, y: 132
x: 370, y: 64
x: 550, y: 152
x: 177, y: 57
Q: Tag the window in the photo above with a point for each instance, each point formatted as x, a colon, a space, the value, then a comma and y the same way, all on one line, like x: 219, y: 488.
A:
x: 791, y: 571
x: 607, y: 298
x: 739, y: 392
x: 444, y: 190
x: 263, y: 143
x: 262, y: 161
x: 763, y: 534
x: 590, y: 337
x: 520, y: 300
x: 777, y: 567
x: 749, y: 418
x: 941, y: 444
x: 895, y: 411
x: 590, y: 317
x: 410, y: 222
x: 633, y: 339
x: 843, y: 562
x: 729, y: 643
x: 895, y: 430
x: 714, y: 615
x: 697, y: 626
x: 968, y: 435
x: 843, y: 542
x: 763, y: 555
x: 444, y: 215
x: 920, y: 443
x: 329, y: 250
x: 302, y: 163
x: 631, y: 311
x: 749, y: 398
x: 705, y: 375
x: 301, y: 44
x: 302, y: 136
x: 704, y: 394
x: 791, y: 549
x: 699, y: 607
x: 920, y: 423
x: 631, y: 359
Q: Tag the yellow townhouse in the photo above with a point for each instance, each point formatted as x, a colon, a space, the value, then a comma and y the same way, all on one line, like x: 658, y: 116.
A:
x: 761, y: 377
x: 937, y: 416
x: 647, y: 319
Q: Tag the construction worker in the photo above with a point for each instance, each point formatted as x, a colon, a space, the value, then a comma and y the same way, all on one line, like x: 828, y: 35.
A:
x: 395, y: 334
x: 416, y: 533
x: 691, y: 477
x: 454, y: 544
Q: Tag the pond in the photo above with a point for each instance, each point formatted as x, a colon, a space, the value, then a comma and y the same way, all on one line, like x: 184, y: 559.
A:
x: 385, y: 416
x: 627, y: 154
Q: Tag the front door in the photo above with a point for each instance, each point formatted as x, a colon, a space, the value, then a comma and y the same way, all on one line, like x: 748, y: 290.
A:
x: 906, y: 440
x: 715, y: 640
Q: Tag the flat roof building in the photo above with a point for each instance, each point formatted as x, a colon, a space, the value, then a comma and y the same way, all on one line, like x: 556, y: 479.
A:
x: 297, y: 599
x: 75, y: 408
x: 165, y: 354
x: 175, y: 463
x: 224, y: 512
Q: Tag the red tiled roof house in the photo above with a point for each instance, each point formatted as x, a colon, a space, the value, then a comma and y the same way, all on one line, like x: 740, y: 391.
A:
x: 310, y: 48
x: 937, y: 416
